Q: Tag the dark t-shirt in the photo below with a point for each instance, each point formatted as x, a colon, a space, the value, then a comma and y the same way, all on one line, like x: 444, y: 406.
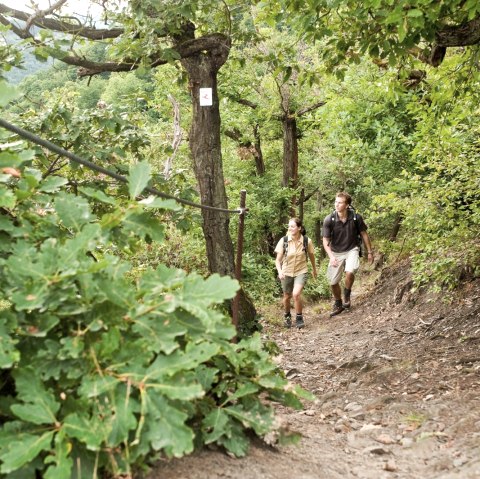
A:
x: 344, y: 234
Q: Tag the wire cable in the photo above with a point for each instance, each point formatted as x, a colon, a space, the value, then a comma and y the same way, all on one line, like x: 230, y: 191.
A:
x: 77, y: 159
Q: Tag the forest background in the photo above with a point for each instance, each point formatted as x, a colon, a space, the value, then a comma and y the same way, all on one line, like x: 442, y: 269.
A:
x: 372, y: 98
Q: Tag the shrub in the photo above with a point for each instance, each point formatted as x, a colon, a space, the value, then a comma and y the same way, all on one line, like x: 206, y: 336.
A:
x: 99, y: 371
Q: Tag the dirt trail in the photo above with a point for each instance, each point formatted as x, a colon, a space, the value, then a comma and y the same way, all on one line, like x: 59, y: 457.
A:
x: 397, y: 382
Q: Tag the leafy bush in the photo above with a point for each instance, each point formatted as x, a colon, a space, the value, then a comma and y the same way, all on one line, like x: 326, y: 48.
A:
x: 99, y: 372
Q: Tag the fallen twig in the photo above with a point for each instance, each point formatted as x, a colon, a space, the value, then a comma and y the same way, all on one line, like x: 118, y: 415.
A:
x: 404, y: 332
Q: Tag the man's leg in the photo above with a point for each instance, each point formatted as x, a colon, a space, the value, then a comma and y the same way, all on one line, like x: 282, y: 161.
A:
x: 334, y: 276
x: 336, y: 291
x: 352, y: 264
x: 337, y: 294
x: 349, y: 279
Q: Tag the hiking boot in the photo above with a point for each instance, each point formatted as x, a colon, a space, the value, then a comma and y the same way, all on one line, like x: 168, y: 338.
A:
x: 288, y: 320
x: 337, y: 308
x: 299, y: 323
x: 346, y: 298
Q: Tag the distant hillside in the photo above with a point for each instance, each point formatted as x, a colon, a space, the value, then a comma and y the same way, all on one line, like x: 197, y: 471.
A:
x: 30, y: 64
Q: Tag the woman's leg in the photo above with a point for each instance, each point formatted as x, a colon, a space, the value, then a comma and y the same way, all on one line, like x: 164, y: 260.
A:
x: 286, y: 302
x: 297, y: 301
x: 297, y: 298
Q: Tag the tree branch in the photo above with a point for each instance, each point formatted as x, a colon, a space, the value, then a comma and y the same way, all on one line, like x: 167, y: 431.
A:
x: 61, y: 26
x: 18, y: 31
x: 310, y: 195
x: 246, y: 103
x: 459, y: 35
x: 463, y: 35
x: 310, y: 108
x: 184, y: 50
x: 233, y: 134
x: 43, y: 13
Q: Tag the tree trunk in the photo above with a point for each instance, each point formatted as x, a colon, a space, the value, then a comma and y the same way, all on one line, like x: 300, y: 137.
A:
x: 290, y: 156
x: 301, y: 202
x: 290, y: 152
x: 319, y: 227
x: 202, y: 69
x: 396, y: 227
x: 258, y: 154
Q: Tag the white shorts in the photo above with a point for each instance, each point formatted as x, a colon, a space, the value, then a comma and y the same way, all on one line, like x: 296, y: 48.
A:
x: 347, y: 261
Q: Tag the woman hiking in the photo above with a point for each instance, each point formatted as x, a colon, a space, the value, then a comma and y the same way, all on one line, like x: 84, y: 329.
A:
x: 291, y: 263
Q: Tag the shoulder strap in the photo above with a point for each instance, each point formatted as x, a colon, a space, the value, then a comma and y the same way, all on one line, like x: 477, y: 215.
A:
x: 305, y: 245
x: 357, y: 225
x: 332, y: 219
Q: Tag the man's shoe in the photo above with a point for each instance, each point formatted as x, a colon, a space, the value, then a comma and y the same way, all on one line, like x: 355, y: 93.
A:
x: 337, y: 308
x: 288, y: 320
x: 299, y: 323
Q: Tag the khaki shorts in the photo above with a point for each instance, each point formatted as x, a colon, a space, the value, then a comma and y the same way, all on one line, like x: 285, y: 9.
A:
x: 347, y: 261
x: 288, y: 282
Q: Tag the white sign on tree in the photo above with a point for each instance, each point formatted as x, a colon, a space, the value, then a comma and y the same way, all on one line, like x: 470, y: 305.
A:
x: 206, y: 97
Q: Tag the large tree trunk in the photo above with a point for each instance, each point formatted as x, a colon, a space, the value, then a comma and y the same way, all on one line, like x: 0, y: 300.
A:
x: 290, y: 152
x: 207, y: 162
x: 290, y: 156
x: 202, y: 69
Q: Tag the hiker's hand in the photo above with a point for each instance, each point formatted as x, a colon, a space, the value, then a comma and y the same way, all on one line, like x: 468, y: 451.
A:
x: 314, y: 274
x: 281, y: 275
x: 333, y: 262
x: 370, y: 258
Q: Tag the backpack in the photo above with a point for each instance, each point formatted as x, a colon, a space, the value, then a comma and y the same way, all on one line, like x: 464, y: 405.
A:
x: 305, y: 245
x: 357, y: 226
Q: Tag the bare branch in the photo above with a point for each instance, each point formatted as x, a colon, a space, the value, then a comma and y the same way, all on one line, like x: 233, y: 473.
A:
x: 43, y: 13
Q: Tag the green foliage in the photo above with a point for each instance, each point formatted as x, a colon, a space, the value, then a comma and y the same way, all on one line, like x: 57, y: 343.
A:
x: 10, y: 56
x: 319, y: 289
x: 382, y: 29
x: 438, y: 196
x: 101, y: 372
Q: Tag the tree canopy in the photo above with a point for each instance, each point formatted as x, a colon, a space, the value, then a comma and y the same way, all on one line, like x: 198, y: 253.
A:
x: 122, y: 300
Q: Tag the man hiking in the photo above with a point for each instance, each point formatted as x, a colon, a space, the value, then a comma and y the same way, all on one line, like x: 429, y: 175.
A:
x: 343, y: 233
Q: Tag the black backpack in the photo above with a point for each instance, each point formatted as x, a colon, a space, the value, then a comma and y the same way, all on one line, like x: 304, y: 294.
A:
x: 333, y: 218
x: 305, y: 245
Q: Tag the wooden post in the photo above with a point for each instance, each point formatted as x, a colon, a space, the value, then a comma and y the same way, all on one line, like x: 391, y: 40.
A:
x: 238, y: 261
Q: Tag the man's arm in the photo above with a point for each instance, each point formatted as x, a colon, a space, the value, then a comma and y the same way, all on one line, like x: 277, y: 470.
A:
x: 328, y: 250
x: 368, y: 244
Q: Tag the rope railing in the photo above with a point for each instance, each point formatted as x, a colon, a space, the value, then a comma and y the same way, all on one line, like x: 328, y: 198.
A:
x: 77, y: 159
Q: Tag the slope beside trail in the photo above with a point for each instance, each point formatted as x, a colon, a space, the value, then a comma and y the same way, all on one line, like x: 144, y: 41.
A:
x: 397, y: 382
